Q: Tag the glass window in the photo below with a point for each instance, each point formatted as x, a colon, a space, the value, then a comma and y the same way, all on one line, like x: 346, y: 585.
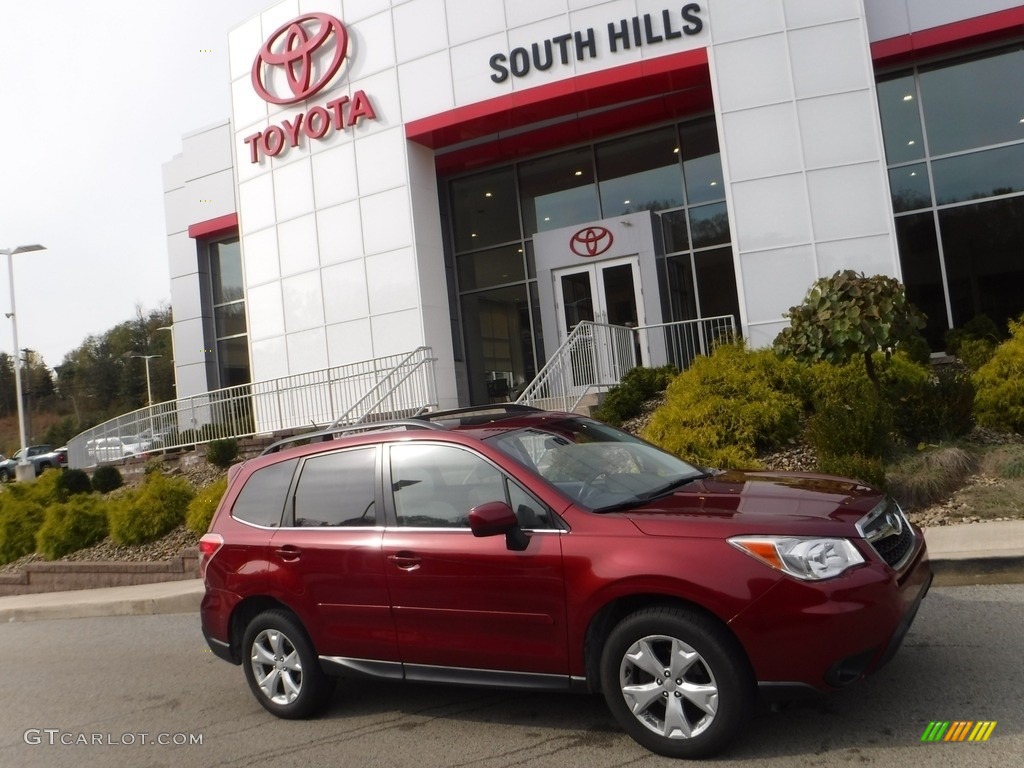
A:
x: 709, y: 225
x: 498, y: 342
x: 909, y: 187
x: 558, y: 191
x: 337, y: 489
x: 675, y: 231
x: 484, y: 209
x: 702, y: 162
x: 901, y: 119
x: 983, y: 246
x: 640, y: 173
x: 979, y: 174
x: 435, y: 486
x: 496, y: 266
x: 973, y: 103
x: 531, y: 514
x: 922, y: 273
x: 261, y: 501
x: 233, y: 359
x: 716, y: 283
x: 230, y: 319
x: 226, y: 271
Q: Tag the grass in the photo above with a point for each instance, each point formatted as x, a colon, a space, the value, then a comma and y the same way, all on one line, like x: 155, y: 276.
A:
x: 987, y: 501
x: 923, y: 479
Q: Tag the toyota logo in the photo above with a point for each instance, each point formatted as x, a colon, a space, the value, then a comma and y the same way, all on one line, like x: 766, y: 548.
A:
x: 590, y: 242
x: 291, y: 49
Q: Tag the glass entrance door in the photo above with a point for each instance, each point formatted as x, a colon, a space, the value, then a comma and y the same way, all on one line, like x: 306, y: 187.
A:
x: 604, y: 292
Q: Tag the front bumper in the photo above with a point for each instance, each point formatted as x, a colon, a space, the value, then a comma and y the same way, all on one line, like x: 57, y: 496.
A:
x: 830, y: 634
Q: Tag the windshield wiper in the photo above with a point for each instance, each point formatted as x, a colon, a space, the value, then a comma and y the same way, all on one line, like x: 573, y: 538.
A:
x: 657, y: 493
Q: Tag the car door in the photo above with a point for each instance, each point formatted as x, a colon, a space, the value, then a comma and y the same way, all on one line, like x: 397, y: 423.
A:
x: 461, y: 602
x: 326, y: 560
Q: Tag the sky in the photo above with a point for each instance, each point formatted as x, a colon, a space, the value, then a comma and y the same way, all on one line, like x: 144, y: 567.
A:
x: 95, y: 96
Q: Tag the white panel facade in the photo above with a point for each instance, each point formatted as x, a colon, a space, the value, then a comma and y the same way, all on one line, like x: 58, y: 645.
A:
x: 340, y: 222
x: 814, y: 189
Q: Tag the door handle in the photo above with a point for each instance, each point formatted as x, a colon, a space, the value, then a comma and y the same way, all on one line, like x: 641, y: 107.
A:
x: 288, y: 552
x: 405, y: 560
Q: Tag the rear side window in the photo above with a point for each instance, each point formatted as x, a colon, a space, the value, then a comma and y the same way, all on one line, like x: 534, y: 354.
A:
x: 261, y: 500
x: 338, y: 489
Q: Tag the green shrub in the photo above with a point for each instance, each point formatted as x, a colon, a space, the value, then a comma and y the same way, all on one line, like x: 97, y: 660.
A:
x: 974, y: 353
x: 74, y: 524
x: 201, y: 508
x: 864, y: 469
x: 928, y: 478
x: 73, y: 481
x: 850, y: 415
x: 729, y: 406
x: 928, y: 404
x: 20, y: 518
x: 625, y: 400
x: 916, y: 348
x: 979, y: 328
x: 999, y: 384
x: 148, y: 512
x: 106, y: 479
x: 221, y: 453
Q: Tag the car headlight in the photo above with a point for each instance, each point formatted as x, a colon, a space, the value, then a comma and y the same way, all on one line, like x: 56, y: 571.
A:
x: 810, y: 559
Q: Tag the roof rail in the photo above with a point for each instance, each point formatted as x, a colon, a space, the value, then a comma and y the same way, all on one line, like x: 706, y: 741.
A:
x: 508, y: 409
x: 325, y: 435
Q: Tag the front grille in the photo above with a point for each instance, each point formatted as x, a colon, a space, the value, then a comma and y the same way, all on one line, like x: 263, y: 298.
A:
x: 888, y: 532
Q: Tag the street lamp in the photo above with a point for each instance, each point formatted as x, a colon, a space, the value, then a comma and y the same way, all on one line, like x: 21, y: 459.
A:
x: 23, y: 471
x: 149, y: 391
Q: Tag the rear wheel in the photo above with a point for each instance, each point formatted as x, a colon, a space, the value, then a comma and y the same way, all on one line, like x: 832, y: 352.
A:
x: 5, y: 475
x: 282, y: 668
x: 677, y: 681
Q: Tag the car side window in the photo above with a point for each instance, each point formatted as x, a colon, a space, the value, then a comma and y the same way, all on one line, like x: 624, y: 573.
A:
x: 261, y: 500
x: 531, y: 514
x: 435, y: 486
x: 337, y: 489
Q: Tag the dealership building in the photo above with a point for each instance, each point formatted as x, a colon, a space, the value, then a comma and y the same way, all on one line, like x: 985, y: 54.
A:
x: 478, y: 176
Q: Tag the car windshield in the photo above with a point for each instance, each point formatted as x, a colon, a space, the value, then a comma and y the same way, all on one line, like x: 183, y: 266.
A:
x: 601, y: 467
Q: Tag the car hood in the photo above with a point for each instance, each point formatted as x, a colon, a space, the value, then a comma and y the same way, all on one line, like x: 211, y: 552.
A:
x: 759, y: 502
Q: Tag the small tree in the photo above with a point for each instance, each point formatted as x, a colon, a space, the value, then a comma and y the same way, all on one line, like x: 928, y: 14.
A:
x: 847, y: 315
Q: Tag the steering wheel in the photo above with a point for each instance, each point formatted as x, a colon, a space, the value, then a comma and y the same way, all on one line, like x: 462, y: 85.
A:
x: 593, y: 485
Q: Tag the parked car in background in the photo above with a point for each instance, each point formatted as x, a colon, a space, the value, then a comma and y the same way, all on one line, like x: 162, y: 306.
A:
x: 41, y: 457
x: 512, y: 547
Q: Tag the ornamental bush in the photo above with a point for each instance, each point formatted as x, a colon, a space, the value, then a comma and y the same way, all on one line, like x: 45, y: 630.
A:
x: 221, y: 453
x: 20, y: 519
x: 847, y: 316
x: 148, y: 512
x: 928, y: 404
x: 201, y: 508
x: 850, y: 417
x: 106, y: 479
x: 69, y: 526
x: 999, y: 384
x: 729, y: 406
x: 625, y: 400
x: 73, y: 481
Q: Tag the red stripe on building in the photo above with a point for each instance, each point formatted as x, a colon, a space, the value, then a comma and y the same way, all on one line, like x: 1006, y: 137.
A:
x: 992, y: 27
x: 221, y: 225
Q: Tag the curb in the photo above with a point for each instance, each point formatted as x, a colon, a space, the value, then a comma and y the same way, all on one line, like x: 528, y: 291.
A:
x: 139, y: 600
x: 978, y: 570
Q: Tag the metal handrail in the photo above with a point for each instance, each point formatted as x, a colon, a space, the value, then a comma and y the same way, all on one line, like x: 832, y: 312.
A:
x: 267, y: 407
x: 596, y: 356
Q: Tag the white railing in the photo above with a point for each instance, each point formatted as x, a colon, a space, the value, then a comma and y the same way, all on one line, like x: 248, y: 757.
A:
x: 395, y: 385
x: 596, y: 356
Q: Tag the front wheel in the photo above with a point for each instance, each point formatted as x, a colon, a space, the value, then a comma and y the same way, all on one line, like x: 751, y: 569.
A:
x: 677, y: 681
x: 5, y: 475
x: 282, y: 668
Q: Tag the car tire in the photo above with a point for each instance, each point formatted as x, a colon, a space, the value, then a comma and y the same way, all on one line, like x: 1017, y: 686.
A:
x: 697, y: 709
x: 5, y: 476
x: 282, y: 668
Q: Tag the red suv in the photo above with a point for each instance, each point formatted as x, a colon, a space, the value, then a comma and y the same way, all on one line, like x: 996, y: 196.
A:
x: 527, y: 549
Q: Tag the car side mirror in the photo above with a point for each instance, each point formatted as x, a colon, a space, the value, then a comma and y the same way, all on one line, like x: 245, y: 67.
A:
x: 495, y: 518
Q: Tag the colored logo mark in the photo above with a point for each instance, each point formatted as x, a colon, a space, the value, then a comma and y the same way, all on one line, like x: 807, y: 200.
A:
x: 590, y: 242
x: 958, y: 730
x: 300, y: 39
